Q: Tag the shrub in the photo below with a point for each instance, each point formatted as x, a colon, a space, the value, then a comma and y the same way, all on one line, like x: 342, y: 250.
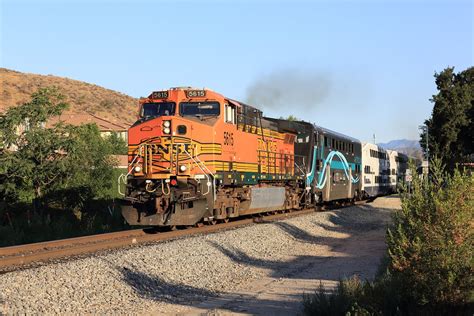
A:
x: 431, y: 243
x: 337, y: 302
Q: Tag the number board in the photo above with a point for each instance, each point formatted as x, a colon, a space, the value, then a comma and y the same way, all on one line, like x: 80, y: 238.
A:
x: 159, y: 95
x: 195, y: 93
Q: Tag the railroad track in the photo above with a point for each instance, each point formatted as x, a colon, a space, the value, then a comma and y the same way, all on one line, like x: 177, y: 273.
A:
x: 25, y: 256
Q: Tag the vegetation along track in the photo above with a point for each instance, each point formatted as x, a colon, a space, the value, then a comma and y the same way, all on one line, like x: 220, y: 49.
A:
x: 23, y: 256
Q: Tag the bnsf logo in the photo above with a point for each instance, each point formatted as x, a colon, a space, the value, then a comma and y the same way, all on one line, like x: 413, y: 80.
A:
x: 165, y: 149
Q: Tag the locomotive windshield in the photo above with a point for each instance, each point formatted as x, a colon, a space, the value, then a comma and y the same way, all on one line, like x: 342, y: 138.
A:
x: 150, y: 110
x: 199, y: 108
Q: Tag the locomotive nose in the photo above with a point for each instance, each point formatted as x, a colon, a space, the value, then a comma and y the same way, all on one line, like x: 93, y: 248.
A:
x: 150, y: 129
x: 157, y: 153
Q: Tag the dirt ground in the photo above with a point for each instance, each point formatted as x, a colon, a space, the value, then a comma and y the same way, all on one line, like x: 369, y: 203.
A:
x: 351, y: 250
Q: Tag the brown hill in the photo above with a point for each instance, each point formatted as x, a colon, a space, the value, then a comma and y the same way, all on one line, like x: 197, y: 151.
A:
x: 83, y: 97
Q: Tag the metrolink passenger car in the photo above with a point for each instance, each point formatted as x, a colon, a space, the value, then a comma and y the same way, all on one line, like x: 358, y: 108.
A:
x: 198, y: 156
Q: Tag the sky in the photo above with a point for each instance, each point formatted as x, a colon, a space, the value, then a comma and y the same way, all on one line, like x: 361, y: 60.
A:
x: 357, y: 67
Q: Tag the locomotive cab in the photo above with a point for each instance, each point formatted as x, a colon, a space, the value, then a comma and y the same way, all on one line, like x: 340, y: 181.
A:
x: 172, y: 124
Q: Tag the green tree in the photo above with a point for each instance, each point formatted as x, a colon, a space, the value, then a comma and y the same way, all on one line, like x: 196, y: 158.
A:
x: 290, y: 118
x: 40, y: 162
x: 118, y: 146
x: 451, y: 125
x: 34, y: 156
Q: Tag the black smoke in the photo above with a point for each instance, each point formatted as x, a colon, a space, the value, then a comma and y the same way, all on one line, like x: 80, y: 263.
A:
x: 289, y: 89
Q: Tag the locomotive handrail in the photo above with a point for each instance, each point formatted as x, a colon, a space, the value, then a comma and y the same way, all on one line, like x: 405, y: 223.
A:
x: 302, y: 171
x: 206, y: 174
x: 204, y: 165
x: 139, y: 149
x: 272, y: 157
x: 124, y: 176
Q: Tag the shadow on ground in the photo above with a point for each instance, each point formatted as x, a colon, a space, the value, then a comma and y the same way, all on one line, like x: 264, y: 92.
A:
x: 157, y: 289
x: 349, y: 261
x: 345, y: 222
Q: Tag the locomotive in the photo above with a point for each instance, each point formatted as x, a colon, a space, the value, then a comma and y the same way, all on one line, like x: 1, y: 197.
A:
x: 197, y: 156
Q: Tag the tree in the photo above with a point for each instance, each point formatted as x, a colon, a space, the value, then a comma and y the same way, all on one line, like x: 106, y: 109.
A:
x: 40, y: 162
x: 118, y: 144
x: 290, y: 118
x: 451, y: 125
x: 34, y: 156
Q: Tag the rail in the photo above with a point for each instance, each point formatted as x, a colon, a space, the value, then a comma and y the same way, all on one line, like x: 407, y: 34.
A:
x: 30, y: 255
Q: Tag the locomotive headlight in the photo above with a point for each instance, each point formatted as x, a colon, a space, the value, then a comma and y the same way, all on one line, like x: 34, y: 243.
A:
x: 166, y: 130
x: 137, y: 169
x: 182, y: 168
x: 166, y: 123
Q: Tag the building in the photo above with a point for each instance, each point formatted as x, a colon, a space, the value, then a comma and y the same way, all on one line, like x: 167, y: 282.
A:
x: 106, y: 127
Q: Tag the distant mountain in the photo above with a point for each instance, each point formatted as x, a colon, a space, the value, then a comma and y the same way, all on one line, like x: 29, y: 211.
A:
x: 401, y: 143
x: 16, y: 88
x: 411, y: 148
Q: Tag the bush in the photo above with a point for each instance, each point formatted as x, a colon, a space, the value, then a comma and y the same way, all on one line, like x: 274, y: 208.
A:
x: 429, y: 267
x: 97, y: 216
x: 337, y: 302
x: 431, y: 244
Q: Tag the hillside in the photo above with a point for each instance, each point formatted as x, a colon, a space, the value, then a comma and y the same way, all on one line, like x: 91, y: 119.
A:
x: 409, y: 147
x: 401, y: 143
x: 82, y: 97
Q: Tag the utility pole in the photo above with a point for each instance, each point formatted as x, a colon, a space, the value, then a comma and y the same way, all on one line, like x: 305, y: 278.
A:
x: 427, y: 147
x: 425, y: 164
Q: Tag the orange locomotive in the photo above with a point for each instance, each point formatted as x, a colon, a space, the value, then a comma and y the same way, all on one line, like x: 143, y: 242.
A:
x: 195, y: 155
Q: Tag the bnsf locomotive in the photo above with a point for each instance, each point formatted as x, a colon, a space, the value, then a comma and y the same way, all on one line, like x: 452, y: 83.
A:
x: 197, y: 156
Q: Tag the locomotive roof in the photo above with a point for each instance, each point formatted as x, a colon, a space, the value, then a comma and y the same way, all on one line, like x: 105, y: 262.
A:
x: 245, y: 105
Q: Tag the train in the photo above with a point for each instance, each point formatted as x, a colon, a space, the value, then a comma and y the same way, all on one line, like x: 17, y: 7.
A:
x: 196, y: 156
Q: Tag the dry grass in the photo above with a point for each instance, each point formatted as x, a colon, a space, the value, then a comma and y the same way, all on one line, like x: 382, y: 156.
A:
x: 82, y: 97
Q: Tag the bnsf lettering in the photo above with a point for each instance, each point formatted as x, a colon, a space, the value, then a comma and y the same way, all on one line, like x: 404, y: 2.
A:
x: 165, y: 149
x: 160, y: 149
x: 228, y: 139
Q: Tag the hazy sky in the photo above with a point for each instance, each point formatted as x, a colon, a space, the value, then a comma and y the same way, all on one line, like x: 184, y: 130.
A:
x: 357, y: 67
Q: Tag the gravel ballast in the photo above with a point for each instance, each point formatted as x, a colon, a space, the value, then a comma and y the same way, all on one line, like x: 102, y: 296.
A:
x: 187, y: 271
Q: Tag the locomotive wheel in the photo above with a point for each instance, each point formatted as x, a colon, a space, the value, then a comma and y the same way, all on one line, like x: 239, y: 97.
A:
x: 225, y: 220
x: 212, y: 222
x: 173, y: 228
x: 199, y: 224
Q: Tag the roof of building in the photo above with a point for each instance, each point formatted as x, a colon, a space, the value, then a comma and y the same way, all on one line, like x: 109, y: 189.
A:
x: 121, y: 160
x: 87, y: 118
